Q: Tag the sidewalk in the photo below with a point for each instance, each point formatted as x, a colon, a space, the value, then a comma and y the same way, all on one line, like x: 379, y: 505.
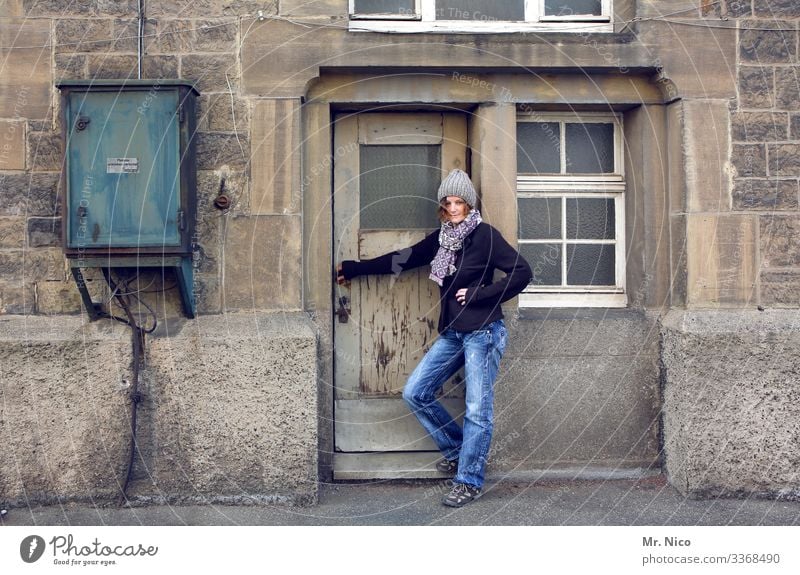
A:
x: 649, y: 501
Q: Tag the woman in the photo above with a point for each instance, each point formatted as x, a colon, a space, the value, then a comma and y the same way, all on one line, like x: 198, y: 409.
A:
x: 463, y: 255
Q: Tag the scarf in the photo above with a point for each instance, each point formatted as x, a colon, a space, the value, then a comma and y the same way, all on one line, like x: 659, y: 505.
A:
x: 451, y: 240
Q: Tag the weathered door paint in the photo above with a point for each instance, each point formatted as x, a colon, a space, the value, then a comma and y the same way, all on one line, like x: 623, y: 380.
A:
x: 387, y: 170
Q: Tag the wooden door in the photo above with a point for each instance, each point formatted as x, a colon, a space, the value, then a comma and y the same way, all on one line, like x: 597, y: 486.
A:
x: 387, y: 169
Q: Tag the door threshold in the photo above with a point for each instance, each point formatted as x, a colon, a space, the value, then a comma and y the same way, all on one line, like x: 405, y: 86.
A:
x: 422, y: 465
x: 395, y: 465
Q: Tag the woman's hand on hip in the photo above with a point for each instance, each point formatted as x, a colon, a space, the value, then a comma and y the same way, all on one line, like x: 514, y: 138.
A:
x: 461, y: 296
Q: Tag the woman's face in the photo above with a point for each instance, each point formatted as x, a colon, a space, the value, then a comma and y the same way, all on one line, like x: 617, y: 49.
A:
x: 457, y: 209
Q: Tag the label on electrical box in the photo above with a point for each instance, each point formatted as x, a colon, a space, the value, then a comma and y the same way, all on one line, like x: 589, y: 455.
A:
x: 122, y: 165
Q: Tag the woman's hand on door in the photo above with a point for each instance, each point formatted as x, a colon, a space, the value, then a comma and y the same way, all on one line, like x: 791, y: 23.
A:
x: 340, y: 279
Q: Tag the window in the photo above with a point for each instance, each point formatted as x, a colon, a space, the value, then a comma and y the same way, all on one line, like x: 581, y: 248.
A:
x: 481, y: 15
x: 571, y: 209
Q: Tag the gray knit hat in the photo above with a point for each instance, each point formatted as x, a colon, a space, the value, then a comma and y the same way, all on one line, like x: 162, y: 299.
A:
x: 457, y: 183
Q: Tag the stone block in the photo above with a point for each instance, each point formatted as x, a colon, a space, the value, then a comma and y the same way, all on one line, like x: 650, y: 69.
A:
x: 775, y: 9
x: 208, y: 188
x: 125, y: 34
x: 276, y: 150
x: 784, y: 159
x: 215, y: 35
x: 12, y: 145
x: 168, y: 36
x: 263, y: 263
x: 84, y: 35
x: 26, y: 81
x: 780, y: 287
x: 212, y: 73
x: 63, y: 409
x: 215, y: 150
x: 731, y: 402
x: 11, y: 264
x: 235, y: 410
x: 12, y: 233
x: 206, y: 8
x: 57, y: 297
x: 738, y: 8
x: 70, y: 67
x: 59, y: 8
x: 787, y: 87
x: 313, y: 8
x: 45, y: 151
x: 29, y: 194
x: 45, y: 264
x: 44, y: 232
x: 112, y: 66
x: 756, y: 87
x: 794, y: 126
x: 760, y: 46
x: 16, y: 298
x: 759, y: 126
x: 207, y: 294
x: 780, y: 241
x: 721, y: 259
x: 221, y: 113
x: 163, y: 66
x: 749, y: 160
x: 754, y: 194
x: 705, y: 155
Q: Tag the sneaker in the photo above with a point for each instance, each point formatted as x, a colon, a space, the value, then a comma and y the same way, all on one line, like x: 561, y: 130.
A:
x: 447, y: 467
x: 461, y: 494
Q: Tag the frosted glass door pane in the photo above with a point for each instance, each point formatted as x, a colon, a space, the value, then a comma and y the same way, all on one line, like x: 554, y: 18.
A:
x: 486, y: 10
x: 539, y: 218
x: 572, y: 7
x: 590, y: 219
x: 398, y: 185
x: 538, y: 148
x: 590, y: 264
x: 383, y: 7
x: 545, y: 262
x: 590, y: 148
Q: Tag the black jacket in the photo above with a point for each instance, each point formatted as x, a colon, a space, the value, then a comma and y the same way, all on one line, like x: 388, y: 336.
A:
x: 484, y: 251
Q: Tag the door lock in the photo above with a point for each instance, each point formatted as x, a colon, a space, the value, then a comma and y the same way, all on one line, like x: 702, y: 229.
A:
x: 343, y: 312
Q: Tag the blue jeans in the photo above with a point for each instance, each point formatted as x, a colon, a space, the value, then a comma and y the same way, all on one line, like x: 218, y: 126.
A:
x: 479, y: 352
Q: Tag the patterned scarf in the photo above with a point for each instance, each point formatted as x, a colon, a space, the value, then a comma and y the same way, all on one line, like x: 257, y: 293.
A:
x: 451, y: 240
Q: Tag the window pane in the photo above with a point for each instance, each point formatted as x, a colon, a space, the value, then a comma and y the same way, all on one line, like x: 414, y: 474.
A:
x: 486, y: 10
x: 545, y: 262
x: 590, y: 264
x: 398, y: 185
x: 383, y: 7
x: 590, y: 219
x: 539, y: 218
x: 538, y: 148
x: 590, y: 148
x: 572, y: 7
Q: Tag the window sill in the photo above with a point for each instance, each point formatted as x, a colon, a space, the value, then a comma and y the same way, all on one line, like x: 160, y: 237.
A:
x: 562, y: 300
x: 478, y: 27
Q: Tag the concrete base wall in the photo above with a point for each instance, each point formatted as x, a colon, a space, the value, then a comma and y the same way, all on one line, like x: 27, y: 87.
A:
x: 732, y: 402
x: 578, y: 388
x: 229, y: 412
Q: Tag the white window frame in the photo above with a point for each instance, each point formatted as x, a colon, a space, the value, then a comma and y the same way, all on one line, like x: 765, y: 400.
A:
x: 424, y: 20
x: 565, y: 186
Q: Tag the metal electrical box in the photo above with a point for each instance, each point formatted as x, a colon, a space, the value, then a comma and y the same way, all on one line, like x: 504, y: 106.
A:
x: 129, y: 178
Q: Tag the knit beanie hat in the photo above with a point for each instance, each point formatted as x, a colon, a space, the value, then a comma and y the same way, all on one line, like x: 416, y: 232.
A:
x: 457, y: 183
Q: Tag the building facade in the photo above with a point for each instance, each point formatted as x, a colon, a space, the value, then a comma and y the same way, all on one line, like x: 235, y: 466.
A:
x: 644, y: 156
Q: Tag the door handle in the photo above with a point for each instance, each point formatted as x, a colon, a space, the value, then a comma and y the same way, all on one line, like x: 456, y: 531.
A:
x: 343, y: 312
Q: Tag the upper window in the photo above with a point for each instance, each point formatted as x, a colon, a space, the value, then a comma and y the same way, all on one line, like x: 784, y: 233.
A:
x: 480, y: 15
x: 571, y: 209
